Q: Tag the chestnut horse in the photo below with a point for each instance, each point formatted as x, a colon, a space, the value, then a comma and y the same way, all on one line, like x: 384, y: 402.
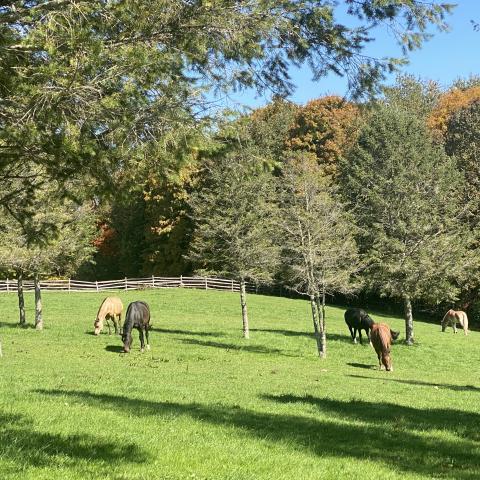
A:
x: 452, y: 317
x: 382, y: 336
x: 137, y: 316
x: 111, y: 308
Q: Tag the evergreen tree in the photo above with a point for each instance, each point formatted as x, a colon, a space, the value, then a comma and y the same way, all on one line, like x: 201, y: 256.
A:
x: 234, y: 229
x: 405, y: 194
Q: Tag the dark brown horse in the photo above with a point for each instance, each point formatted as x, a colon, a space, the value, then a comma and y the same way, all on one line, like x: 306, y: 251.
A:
x: 382, y: 337
x: 138, y: 316
x: 358, y: 319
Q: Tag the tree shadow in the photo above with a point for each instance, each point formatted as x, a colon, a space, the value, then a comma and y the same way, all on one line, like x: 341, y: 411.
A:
x: 22, y: 444
x: 457, y: 388
x: 463, y: 424
x: 232, y: 346
x: 188, y: 332
x: 386, y: 433
x: 27, y: 326
x: 334, y: 337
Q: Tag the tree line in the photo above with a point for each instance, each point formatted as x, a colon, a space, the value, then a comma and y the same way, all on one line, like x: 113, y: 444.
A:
x: 110, y: 152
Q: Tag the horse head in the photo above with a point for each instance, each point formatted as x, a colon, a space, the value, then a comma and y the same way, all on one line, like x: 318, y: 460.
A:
x: 98, y: 326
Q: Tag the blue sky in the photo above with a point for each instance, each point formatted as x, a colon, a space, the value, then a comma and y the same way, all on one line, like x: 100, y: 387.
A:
x: 444, y: 58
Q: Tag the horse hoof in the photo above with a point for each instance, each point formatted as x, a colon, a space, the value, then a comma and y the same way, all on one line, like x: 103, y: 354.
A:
x: 141, y: 350
x: 148, y: 347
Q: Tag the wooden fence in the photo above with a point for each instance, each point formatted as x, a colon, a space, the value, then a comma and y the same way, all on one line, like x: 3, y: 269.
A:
x: 70, y: 285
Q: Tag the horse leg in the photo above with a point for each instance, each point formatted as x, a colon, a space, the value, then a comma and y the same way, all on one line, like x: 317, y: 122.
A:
x: 351, y: 333
x: 380, y: 365
x: 142, y: 340
x: 360, y: 336
x: 108, y: 325
x: 368, y: 336
x: 120, y: 323
x: 354, y: 335
x: 146, y: 336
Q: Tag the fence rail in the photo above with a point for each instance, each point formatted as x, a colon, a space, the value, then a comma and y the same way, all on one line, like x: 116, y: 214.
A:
x: 71, y: 285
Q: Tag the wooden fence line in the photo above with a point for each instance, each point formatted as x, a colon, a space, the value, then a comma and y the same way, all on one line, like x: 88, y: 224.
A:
x: 71, y: 285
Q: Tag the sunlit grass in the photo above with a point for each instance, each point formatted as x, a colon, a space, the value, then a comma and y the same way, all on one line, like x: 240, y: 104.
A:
x: 206, y: 404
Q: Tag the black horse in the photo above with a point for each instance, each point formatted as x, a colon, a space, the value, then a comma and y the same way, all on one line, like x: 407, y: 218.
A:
x: 358, y: 319
x: 138, y: 316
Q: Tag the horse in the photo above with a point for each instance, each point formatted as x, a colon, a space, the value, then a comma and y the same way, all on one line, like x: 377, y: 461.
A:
x: 358, y: 319
x: 110, y: 308
x: 452, y: 317
x: 137, y: 316
x: 382, y: 336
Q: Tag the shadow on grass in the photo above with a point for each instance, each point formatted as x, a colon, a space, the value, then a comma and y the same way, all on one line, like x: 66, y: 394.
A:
x: 294, y: 333
x: 397, y: 417
x: 362, y: 365
x: 23, y: 444
x: 114, y: 348
x: 388, y: 433
x: 188, y: 332
x: 16, y: 325
x: 457, y: 388
x: 232, y: 346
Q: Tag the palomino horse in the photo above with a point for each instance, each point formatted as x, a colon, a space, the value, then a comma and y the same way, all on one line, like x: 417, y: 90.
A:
x: 382, y: 336
x: 452, y: 317
x: 137, y: 316
x: 111, y: 308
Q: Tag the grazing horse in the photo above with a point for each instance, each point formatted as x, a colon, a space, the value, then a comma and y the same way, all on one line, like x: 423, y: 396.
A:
x: 358, y: 319
x: 111, y: 308
x: 452, y: 317
x: 137, y: 316
x: 382, y: 336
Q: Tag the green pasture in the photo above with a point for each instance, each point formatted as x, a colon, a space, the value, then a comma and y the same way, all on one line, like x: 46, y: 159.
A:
x: 205, y: 404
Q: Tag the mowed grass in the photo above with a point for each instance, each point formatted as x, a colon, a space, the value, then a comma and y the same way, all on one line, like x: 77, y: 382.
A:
x: 204, y: 403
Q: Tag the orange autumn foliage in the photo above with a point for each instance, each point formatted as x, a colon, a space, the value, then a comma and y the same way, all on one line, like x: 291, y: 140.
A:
x: 449, y: 103
x: 326, y: 127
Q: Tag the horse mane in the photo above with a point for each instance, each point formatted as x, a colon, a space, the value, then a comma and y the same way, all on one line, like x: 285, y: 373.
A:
x: 101, y: 308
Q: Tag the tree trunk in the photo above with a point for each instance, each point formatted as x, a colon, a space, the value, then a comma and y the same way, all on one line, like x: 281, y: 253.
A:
x: 321, y: 315
x: 407, y: 304
x: 21, y: 300
x: 38, y: 303
x: 316, y: 326
x: 243, y: 302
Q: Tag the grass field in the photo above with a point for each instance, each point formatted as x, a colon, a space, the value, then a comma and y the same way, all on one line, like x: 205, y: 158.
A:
x: 205, y: 404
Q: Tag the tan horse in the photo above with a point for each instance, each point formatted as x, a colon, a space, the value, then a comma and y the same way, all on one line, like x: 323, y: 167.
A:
x: 452, y: 317
x: 110, y: 309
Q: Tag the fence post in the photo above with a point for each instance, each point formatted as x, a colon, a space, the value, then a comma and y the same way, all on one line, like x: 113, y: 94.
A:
x: 8, y: 289
x: 181, y: 280
x: 206, y: 283
x: 153, y: 281
x: 96, y: 284
x: 232, y: 285
x: 69, y: 285
x: 126, y: 283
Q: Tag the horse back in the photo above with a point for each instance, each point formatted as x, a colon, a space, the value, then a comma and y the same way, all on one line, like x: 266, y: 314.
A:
x: 381, y: 337
x: 358, y: 318
x: 138, y: 314
x: 110, y: 306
